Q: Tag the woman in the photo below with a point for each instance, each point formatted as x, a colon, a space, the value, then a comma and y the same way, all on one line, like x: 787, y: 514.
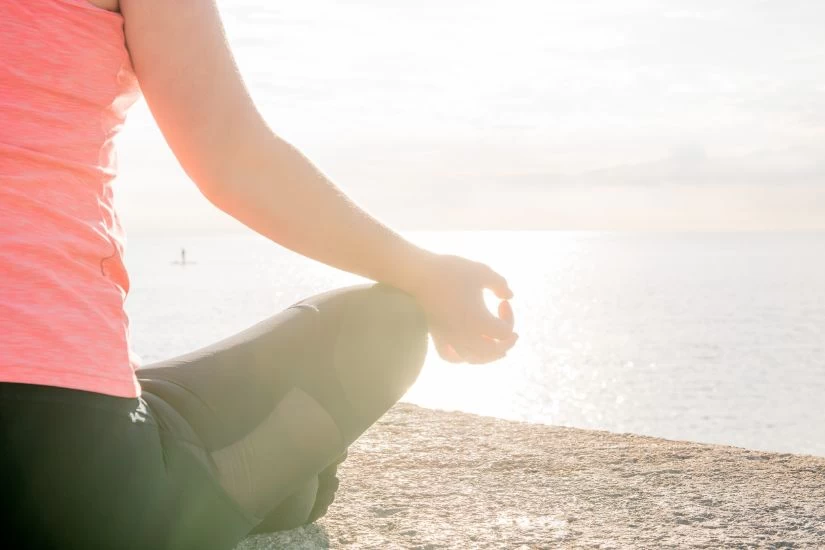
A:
x: 239, y: 437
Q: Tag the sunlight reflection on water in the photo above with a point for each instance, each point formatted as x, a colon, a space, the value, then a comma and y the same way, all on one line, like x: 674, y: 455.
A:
x: 715, y: 338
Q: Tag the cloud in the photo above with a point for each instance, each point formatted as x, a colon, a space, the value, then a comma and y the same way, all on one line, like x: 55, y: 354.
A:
x: 540, y: 114
x: 689, y: 164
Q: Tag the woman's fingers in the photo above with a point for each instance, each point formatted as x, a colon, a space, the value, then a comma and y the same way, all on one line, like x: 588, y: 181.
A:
x: 492, y: 326
x: 445, y: 350
x: 487, y: 339
x: 501, y: 346
x: 482, y: 349
x: 505, y: 313
x: 463, y: 329
x: 474, y: 351
x: 497, y: 283
x: 459, y: 348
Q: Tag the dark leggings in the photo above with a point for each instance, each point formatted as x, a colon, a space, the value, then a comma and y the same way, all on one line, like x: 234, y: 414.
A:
x: 225, y: 440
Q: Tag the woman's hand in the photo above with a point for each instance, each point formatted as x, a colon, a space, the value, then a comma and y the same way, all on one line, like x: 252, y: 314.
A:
x: 450, y: 289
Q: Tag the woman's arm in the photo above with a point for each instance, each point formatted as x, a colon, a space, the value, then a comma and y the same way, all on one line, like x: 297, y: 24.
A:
x: 192, y: 85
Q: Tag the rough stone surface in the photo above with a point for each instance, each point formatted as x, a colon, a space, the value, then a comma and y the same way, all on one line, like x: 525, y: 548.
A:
x: 425, y: 479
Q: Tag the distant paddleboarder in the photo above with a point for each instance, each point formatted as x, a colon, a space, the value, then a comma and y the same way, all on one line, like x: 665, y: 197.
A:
x: 182, y: 260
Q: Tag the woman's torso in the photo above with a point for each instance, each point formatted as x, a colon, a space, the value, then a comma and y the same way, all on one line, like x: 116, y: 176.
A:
x: 65, y: 84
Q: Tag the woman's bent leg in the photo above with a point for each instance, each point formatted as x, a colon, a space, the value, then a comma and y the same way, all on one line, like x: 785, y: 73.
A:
x: 279, y: 402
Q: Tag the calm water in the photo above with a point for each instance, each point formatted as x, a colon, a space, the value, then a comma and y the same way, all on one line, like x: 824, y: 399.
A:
x: 707, y: 337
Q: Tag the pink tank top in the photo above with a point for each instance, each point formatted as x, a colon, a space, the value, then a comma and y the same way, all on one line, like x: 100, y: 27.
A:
x: 66, y: 82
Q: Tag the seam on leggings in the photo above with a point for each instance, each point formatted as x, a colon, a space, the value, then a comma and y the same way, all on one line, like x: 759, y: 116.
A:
x: 180, y: 439
x: 174, y: 435
x: 309, y: 307
x: 215, y: 416
x: 181, y: 386
x: 324, y: 366
x: 199, y: 445
x: 209, y: 475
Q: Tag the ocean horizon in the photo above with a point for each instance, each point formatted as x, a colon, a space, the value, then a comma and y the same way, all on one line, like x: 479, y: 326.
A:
x: 708, y: 337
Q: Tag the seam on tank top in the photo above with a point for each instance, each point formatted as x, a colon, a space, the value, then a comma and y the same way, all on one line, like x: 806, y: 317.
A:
x: 102, y: 183
x: 109, y: 257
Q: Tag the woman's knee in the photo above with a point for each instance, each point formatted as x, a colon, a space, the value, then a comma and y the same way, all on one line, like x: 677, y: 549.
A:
x: 379, y: 343
x: 402, y: 325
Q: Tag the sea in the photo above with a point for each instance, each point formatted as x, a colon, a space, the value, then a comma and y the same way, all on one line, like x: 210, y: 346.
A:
x: 708, y: 337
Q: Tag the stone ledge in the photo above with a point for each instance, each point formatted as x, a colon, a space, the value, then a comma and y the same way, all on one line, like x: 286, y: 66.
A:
x: 429, y: 480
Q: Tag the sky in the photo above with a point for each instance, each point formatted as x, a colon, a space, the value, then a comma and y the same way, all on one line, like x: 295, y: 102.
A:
x: 527, y: 114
